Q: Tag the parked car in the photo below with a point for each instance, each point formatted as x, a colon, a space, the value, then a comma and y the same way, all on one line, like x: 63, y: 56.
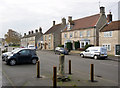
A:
x: 61, y: 50
x: 5, y: 45
x: 95, y: 52
x: 31, y: 47
x: 6, y: 54
x: 22, y: 56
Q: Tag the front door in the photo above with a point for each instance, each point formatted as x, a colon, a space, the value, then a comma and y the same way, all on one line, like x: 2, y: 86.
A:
x: 117, y: 51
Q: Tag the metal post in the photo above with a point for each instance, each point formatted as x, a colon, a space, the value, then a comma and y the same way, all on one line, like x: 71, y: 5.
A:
x: 54, y: 77
x: 69, y: 66
x: 38, y: 69
x: 92, y: 72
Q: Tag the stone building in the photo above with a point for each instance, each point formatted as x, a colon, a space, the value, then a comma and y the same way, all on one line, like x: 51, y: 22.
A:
x: 109, y: 36
x: 32, y: 38
x: 85, y: 30
x: 52, y: 37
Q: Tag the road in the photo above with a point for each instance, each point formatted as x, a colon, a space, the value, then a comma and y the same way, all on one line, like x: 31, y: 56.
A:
x: 106, y: 71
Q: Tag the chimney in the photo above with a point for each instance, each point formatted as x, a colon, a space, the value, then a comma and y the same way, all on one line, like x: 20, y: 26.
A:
x: 69, y: 18
x: 102, y: 10
x: 29, y: 32
x: 40, y: 30
x: 24, y: 34
x: 36, y: 30
x: 109, y: 17
x: 53, y: 23
x: 64, y: 21
x: 32, y: 32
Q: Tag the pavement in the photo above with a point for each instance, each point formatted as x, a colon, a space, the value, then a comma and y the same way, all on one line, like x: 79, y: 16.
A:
x: 110, y: 57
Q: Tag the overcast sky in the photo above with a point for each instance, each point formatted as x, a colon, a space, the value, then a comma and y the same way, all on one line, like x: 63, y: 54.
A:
x: 26, y: 15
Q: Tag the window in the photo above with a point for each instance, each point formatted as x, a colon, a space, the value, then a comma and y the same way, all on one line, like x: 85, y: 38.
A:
x: 75, y: 34
x: 88, y: 33
x: 65, y: 35
x: 45, y: 38
x: 81, y: 34
x: 49, y: 37
x: 24, y: 52
x: 107, y: 46
x: 49, y: 45
x: 108, y: 34
x: 71, y: 34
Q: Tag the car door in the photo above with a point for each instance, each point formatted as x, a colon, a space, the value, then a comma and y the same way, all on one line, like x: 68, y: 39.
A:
x: 23, y: 56
x: 87, y: 53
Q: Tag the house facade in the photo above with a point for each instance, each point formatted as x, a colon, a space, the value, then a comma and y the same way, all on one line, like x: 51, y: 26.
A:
x: 52, y: 38
x: 32, y: 38
x: 84, y: 30
x: 109, y: 37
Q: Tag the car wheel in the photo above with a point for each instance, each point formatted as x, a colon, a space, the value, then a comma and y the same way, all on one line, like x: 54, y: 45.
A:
x: 82, y: 55
x: 95, y: 57
x: 12, y: 62
x: 34, y: 61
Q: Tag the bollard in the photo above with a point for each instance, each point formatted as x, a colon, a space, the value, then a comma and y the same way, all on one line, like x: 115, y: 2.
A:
x: 54, y: 77
x: 69, y: 66
x: 92, y: 72
x: 38, y: 69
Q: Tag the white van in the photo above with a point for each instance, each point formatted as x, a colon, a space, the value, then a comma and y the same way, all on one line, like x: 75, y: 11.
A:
x: 95, y: 52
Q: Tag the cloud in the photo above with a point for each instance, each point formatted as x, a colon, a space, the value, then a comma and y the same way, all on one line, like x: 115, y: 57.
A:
x: 25, y: 15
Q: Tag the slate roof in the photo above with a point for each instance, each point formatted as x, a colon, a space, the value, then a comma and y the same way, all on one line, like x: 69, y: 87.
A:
x: 53, y: 29
x: 114, y: 25
x: 86, y: 22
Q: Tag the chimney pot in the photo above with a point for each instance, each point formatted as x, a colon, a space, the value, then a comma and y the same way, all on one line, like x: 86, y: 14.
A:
x: 53, y: 23
x: 32, y: 32
x: 109, y: 17
x: 24, y: 34
x: 63, y: 21
x: 40, y: 29
x: 29, y: 32
x: 69, y: 18
x: 102, y: 10
x: 36, y: 30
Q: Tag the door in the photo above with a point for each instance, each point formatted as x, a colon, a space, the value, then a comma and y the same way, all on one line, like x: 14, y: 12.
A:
x: 87, y: 53
x: 117, y: 51
x: 24, y: 56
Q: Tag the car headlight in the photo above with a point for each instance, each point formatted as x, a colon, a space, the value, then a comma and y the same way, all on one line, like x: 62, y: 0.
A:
x: 9, y: 57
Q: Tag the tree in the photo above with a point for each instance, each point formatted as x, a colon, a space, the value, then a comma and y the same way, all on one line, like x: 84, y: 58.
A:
x: 12, y: 37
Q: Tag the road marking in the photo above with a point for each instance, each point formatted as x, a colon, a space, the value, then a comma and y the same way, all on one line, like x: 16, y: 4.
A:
x: 8, y: 79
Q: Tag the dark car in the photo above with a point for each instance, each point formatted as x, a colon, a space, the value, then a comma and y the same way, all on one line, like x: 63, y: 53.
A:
x: 22, y: 56
x: 61, y: 50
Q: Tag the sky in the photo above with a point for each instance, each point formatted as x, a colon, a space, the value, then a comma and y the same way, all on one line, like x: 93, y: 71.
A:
x: 26, y: 15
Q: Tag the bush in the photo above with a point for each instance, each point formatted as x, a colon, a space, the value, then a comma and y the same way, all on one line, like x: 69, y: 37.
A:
x: 69, y: 46
x: 61, y: 46
x: 89, y: 45
x: 77, y: 45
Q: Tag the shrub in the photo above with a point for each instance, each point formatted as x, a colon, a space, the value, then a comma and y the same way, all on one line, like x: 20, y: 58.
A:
x: 89, y: 45
x: 77, y: 45
x: 69, y: 46
x: 61, y: 46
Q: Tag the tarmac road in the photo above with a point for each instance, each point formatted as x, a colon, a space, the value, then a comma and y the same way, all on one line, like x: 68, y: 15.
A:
x: 106, y: 71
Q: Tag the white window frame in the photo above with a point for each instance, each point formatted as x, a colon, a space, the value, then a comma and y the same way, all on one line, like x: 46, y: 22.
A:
x: 81, y: 34
x: 45, y: 38
x: 88, y: 33
x: 71, y: 35
x: 65, y: 35
x: 49, y: 37
x: 49, y: 45
x: 107, y: 46
x: 108, y: 34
